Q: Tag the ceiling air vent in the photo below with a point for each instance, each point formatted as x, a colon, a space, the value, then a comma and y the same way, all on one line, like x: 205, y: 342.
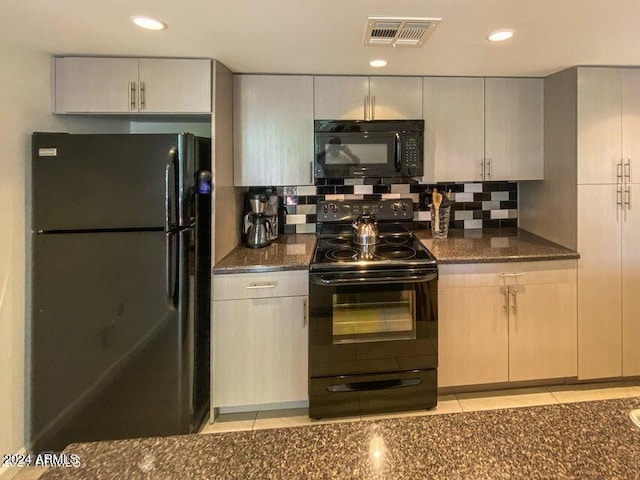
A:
x: 399, y: 31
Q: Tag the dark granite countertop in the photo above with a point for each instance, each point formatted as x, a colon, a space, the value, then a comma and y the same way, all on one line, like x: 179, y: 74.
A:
x: 288, y: 252
x: 493, y: 245
x: 589, y: 440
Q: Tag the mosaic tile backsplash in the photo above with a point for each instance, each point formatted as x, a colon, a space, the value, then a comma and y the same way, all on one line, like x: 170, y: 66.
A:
x: 476, y: 205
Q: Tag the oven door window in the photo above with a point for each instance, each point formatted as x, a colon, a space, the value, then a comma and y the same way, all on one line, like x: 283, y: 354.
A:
x: 373, y: 315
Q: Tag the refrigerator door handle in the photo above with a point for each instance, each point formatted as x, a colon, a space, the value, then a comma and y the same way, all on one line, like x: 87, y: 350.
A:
x: 170, y: 272
x: 169, y: 226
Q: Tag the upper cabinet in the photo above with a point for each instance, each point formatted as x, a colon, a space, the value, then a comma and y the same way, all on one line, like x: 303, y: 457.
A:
x: 514, y: 125
x: 483, y: 129
x: 132, y: 85
x: 608, y: 124
x: 454, y: 129
x: 273, y: 130
x: 367, y: 98
x: 341, y: 98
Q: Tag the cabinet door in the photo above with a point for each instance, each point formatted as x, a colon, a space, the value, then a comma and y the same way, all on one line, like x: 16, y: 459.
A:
x: 599, y: 282
x: 174, y: 85
x: 599, y: 125
x: 454, y: 128
x: 631, y: 284
x: 514, y: 128
x: 340, y: 98
x: 473, y: 342
x: 259, y: 351
x: 273, y: 130
x: 631, y: 123
x: 542, y: 331
x: 396, y: 98
x: 96, y: 85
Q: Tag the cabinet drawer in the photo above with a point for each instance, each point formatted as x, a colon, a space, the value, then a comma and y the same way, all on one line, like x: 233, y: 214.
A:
x: 260, y: 285
x: 511, y: 273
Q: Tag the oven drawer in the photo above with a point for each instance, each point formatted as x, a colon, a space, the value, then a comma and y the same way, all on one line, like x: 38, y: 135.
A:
x: 377, y: 393
x: 290, y: 283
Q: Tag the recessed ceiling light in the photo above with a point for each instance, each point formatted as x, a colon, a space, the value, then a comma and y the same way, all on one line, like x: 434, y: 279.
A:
x: 501, y: 35
x: 378, y: 63
x: 149, y: 23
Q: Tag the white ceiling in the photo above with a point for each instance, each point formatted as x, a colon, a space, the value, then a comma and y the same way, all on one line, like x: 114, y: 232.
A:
x: 325, y: 36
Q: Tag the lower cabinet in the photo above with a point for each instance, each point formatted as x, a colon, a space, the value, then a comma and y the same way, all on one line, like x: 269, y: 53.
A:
x: 259, y: 338
x: 507, y: 322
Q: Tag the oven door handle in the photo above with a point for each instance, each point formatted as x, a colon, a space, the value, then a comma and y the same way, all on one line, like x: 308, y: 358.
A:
x: 375, y: 385
x: 371, y: 278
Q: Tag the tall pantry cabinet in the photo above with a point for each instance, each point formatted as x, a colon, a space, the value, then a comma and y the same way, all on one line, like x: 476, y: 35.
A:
x: 592, y: 187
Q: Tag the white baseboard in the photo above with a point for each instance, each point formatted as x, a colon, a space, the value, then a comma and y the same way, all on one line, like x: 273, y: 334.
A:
x: 7, y: 472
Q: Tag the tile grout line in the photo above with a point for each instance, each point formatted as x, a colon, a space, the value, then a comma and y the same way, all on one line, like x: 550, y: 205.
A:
x: 556, y: 398
x: 459, y: 403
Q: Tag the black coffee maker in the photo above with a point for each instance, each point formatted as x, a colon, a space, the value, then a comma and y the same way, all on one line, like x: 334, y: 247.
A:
x: 260, y: 219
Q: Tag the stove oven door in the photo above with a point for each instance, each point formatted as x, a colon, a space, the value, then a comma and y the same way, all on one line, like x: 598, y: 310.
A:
x: 371, y: 334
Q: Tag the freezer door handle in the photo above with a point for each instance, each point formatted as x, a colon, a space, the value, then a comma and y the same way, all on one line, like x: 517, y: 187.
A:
x: 169, y: 190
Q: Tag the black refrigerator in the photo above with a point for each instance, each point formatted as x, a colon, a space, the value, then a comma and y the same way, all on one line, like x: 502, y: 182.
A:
x: 120, y: 287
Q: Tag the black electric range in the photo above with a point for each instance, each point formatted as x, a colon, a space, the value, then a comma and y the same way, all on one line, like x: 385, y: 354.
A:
x: 373, y: 332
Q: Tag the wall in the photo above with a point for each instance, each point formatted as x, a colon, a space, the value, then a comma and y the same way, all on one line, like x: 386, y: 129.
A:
x: 24, y: 108
x: 227, y: 200
x: 201, y: 129
x: 476, y: 205
x: 549, y: 208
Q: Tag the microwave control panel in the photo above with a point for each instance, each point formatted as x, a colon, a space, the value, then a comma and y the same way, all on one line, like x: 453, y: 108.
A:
x: 411, y: 156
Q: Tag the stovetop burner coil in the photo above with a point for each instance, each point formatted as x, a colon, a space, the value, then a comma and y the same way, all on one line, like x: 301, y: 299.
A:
x: 342, y: 254
x: 394, y: 252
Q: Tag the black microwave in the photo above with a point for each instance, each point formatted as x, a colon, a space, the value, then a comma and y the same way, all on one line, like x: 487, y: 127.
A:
x: 368, y: 148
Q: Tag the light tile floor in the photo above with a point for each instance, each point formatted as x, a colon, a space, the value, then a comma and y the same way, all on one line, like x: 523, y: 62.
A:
x: 462, y: 402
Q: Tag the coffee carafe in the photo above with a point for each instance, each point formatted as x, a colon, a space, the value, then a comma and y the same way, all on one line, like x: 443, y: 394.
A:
x: 258, y: 233
x: 260, y: 222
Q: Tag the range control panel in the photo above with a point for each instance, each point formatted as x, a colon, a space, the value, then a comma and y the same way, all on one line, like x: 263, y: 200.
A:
x: 396, y: 209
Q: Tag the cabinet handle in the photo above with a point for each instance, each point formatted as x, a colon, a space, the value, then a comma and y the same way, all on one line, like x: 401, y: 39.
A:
x: 311, y: 172
x: 373, y: 107
x: 627, y: 202
x: 304, y: 312
x: 488, y: 168
x: 514, y: 274
x: 366, y: 107
x: 143, y: 100
x: 132, y: 95
x: 627, y: 170
x: 505, y: 292
x: 482, y: 169
x: 619, y: 172
x: 619, y: 195
x: 514, y: 305
x: 256, y: 286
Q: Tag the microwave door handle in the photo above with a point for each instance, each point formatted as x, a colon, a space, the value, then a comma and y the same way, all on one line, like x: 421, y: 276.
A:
x: 398, y: 161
